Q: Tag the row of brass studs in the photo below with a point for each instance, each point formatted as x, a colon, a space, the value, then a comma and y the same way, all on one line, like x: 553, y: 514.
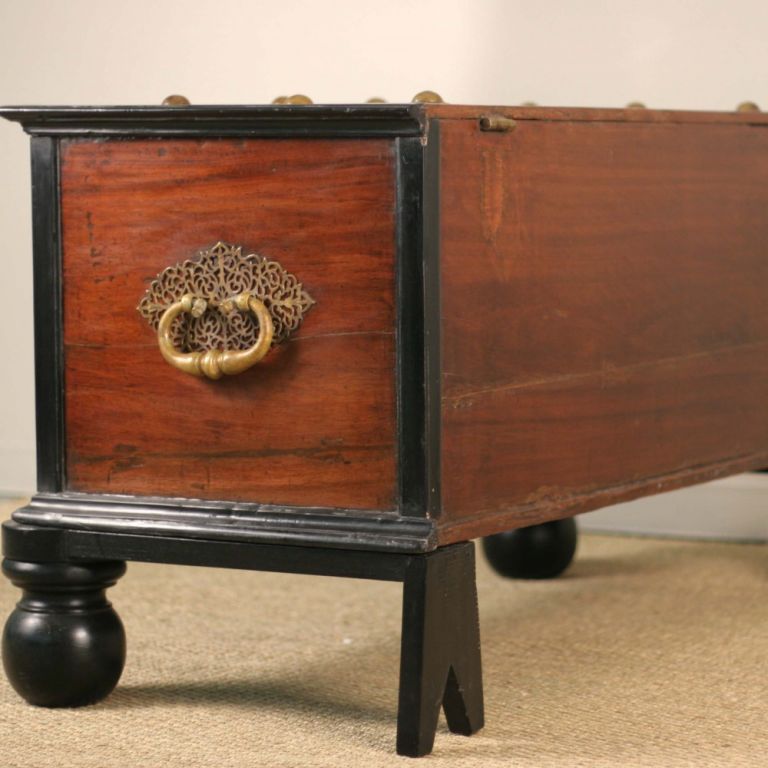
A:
x: 423, y: 97
x: 745, y: 106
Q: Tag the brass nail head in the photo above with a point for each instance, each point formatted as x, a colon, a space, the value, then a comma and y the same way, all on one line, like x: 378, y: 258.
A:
x: 176, y: 100
x: 636, y: 105
x: 376, y: 100
x: 297, y: 98
x: 747, y: 106
x: 427, y: 97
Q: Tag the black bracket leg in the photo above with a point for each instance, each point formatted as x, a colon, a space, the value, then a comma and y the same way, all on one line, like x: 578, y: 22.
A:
x: 63, y: 645
x: 440, y: 653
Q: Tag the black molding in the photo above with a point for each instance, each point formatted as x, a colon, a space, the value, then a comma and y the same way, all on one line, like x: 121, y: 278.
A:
x: 431, y: 341
x: 49, y: 363
x: 412, y: 467
x: 30, y: 543
x: 338, y: 120
x: 37, y: 544
x: 231, y: 521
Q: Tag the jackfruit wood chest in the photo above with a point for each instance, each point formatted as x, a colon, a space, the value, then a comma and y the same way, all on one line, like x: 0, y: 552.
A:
x: 345, y: 340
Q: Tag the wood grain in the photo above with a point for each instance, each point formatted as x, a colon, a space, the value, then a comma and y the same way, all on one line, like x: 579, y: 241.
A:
x: 594, y: 115
x: 604, y: 306
x: 312, y: 424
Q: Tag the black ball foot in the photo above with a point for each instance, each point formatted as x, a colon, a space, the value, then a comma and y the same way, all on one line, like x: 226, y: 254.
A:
x: 537, y: 552
x: 63, y: 645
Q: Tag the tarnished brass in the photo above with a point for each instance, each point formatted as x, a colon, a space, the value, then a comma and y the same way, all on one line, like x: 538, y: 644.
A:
x: 497, y: 123
x: 636, y: 105
x: 214, y: 363
x: 376, y: 100
x: 297, y: 98
x: 428, y: 97
x: 175, y: 100
x: 747, y: 106
x: 191, y: 305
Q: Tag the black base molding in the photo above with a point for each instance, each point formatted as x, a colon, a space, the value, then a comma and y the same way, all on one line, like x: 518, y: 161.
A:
x: 64, y: 572
x: 231, y: 521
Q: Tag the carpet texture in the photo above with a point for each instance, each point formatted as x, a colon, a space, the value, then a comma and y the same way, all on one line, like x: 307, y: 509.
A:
x: 646, y: 653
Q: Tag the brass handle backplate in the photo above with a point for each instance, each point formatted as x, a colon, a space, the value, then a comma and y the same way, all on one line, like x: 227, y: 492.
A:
x: 221, y: 313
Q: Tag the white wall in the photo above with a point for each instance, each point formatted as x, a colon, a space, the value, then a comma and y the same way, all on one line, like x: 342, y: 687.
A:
x: 735, y: 508
x: 666, y: 53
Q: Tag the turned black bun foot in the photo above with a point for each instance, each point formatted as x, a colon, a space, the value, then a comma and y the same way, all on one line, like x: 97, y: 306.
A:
x: 63, y: 645
x: 537, y: 552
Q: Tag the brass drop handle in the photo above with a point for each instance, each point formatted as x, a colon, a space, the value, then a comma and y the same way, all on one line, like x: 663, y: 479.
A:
x: 214, y: 363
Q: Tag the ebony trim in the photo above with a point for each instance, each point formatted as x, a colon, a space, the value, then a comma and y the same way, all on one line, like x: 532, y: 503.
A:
x: 39, y: 544
x: 365, y: 120
x: 49, y: 356
x: 432, y: 348
x: 412, y: 467
x: 231, y: 521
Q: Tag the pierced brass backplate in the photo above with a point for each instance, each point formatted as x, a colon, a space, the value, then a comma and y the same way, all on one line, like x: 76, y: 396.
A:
x: 221, y: 312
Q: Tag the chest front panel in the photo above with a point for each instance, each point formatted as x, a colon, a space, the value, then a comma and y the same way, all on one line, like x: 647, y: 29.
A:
x: 314, y: 422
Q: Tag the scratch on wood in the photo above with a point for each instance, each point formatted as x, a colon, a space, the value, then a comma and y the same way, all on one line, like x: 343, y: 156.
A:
x: 331, y: 452
x: 607, y: 374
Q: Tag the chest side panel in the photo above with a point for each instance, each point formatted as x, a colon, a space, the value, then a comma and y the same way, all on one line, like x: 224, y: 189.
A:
x: 311, y: 424
x: 604, y: 314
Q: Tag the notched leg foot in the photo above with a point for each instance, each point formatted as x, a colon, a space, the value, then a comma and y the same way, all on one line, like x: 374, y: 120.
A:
x: 63, y: 645
x: 440, y: 656
x: 537, y: 552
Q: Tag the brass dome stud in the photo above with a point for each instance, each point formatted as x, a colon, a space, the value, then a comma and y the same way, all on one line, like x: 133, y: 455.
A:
x: 176, y: 100
x: 427, y: 97
x: 747, y: 106
x: 636, y: 105
x: 297, y: 98
x: 375, y: 100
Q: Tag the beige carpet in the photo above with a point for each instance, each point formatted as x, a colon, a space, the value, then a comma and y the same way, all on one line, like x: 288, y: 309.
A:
x: 648, y: 653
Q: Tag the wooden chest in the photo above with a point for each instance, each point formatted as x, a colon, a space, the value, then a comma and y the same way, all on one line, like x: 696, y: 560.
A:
x: 484, y: 319
x: 519, y: 313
